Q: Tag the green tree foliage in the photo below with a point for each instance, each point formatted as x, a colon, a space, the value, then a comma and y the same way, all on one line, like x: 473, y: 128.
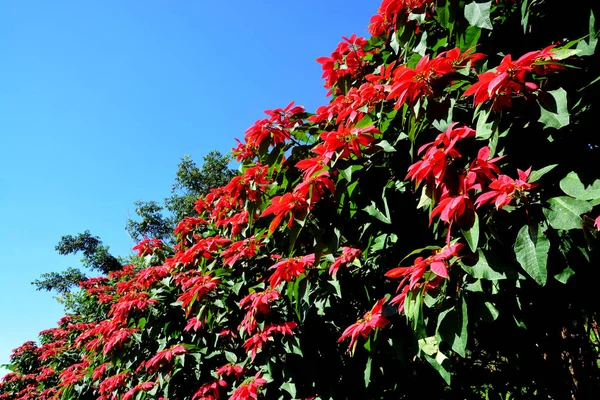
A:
x: 158, y: 221
x: 155, y: 221
x: 95, y: 257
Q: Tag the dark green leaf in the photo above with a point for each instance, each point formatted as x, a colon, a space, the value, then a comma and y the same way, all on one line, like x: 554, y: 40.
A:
x: 472, y: 235
x: 386, y: 146
x: 452, y: 327
x: 290, y: 388
x: 571, y: 185
x: 558, y: 118
x: 373, y: 211
x: 368, y: 372
x: 564, y: 212
x: 483, y: 270
x: 564, y: 275
x: 537, y: 174
x: 531, y: 249
x: 588, y: 48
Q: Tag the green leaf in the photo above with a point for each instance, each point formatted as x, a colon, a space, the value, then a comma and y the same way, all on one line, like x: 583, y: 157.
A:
x: 478, y: 14
x: 472, y: 235
x: 559, y: 118
x: 592, y: 193
x: 564, y: 275
x: 452, y: 327
x: 336, y: 285
x: 384, y: 144
x: 394, y: 44
x: 231, y: 357
x: 290, y: 388
x: 484, y: 129
x: 368, y: 372
x: 469, y: 39
x: 482, y: 269
x: 531, y: 249
x: 422, y: 46
x: 525, y: 15
x: 561, y: 54
x: 438, y: 363
x: 537, y: 174
x: 429, y: 345
x: 373, y: 211
x: 571, y: 185
x: 493, y: 311
x: 588, y: 48
x: 564, y: 212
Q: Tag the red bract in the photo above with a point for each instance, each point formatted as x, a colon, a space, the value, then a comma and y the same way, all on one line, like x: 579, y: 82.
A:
x: 276, y: 128
x: 117, y: 339
x: 244, y: 248
x: 432, y: 167
x: 147, y: 246
x: 438, y: 263
x: 505, y: 189
x: 256, y: 303
x: 111, y: 384
x: 193, y: 324
x: 145, y: 386
x: 349, y: 254
x: 131, y: 301
x: 249, y: 389
x: 409, y: 84
x: 509, y: 78
x: 195, y: 286
x: 259, y: 302
x: 346, y: 141
x: 289, y: 269
x: 256, y: 341
x: 164, y: 357
x: 187, y: 225
x: 313, y: 189
x: 210, y: 391
x: 230, y: 369
x: 73, y: 374
x: 311, y: 166
x: 371, y: 320
x: 289, y: 204
x: 99, y: 371
x: 345, y: 60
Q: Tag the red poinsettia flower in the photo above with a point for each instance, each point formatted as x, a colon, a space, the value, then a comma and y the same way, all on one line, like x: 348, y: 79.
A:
x: 349, y: 254
x: 369, y: 322
x: 288, y: 269
x: 249, y: 389
x: 505, y: 189
x: 290, y: 204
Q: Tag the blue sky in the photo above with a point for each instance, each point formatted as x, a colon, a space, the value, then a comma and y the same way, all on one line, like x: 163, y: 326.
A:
x: 100, y: 99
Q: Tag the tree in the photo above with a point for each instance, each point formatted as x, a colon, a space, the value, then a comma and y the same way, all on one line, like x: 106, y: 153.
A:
x: 155, y: 221
x: 158, y: 221
x: 96, y: 257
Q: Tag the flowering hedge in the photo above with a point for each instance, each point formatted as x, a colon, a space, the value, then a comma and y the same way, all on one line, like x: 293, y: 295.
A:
x: 431, y: 231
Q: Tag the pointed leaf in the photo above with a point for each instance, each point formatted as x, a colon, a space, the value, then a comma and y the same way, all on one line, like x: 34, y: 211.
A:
x: 564, y: 212
x: 478, y: 14
x: 472, y: 235
x: 571, y: 185
x: 559, y: 118
x: 531, y: 249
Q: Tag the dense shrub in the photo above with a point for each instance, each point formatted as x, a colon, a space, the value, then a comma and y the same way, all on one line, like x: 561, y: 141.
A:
x: 430, y: 232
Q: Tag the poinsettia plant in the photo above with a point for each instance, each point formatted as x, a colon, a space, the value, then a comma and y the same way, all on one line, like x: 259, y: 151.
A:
x: 433, y: 229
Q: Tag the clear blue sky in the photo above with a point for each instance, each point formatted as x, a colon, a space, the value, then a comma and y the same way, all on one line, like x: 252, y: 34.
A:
x: 100, y: 99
